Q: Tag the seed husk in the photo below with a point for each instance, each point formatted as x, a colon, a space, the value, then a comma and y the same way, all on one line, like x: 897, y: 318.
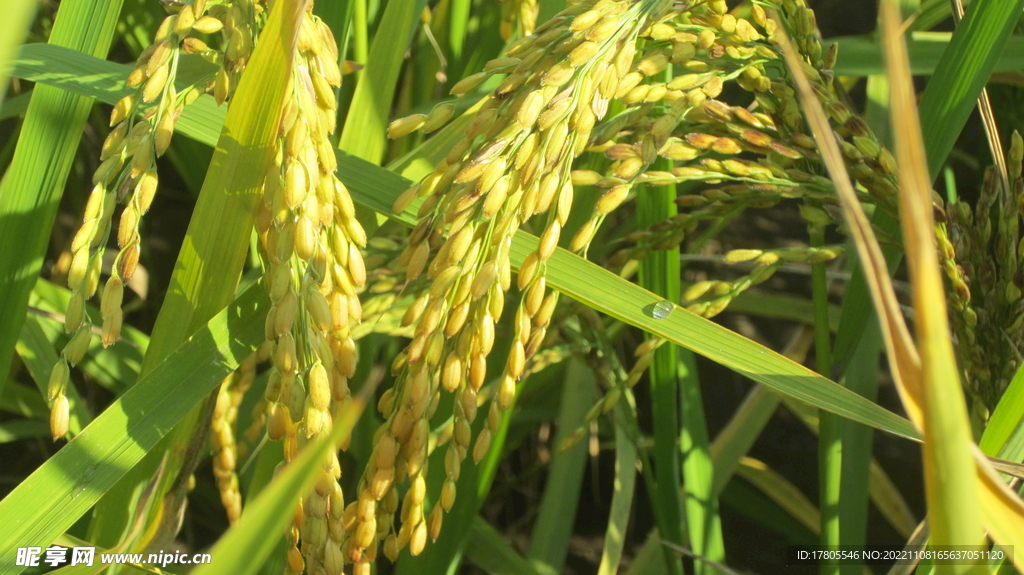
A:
x: 59, y: 417
x: 406, y: 125
x: 155, y: 84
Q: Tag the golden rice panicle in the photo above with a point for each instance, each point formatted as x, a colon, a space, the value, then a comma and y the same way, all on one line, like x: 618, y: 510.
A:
x: 661, y: 112
x: 314, y: 272
x: 226, y: 451
x: 513, y: 163
x: 239, y: 23
x: 867, y: 160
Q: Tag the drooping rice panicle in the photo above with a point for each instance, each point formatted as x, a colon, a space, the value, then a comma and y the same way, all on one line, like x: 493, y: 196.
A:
x: 985, y: 249
x: 142, y: 127
x: 515, y: 162
x: 312, y: 244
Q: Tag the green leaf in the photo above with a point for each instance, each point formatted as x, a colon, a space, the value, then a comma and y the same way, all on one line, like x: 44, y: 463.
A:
x: 368, y: 115
x: 952, y: 486
x: 660, y: 273
x: 23, y: 429
x: 15, y: 106
x: 63, y: 489
x: 32, y: 186
x: 211, y: 258
x: 862, y: 55
x: 1004, y: 434
x: 962, y: 72
x: 25, y: 401
x: 622, y: 500
x: 489, y: 551
x: 549, y: 540
x: 14, y: 26
x: 603, y: 290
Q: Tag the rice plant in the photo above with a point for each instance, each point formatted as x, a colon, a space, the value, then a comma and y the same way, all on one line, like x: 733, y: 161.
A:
x: 453, y: 279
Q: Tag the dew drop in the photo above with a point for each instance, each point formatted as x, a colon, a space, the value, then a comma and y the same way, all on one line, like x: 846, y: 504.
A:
x: 662, y: 309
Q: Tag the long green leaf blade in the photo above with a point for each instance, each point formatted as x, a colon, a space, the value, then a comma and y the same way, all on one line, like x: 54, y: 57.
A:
x: 13, y: 27
x: 622, y: 500
x: 960, y: 75
x: 364, y: 133
x: 1004, y: 434
x: 211, y: 258
x: 659, y: 272
x: 490, y: 552
x: 862, y: 55
x: 549, y: 541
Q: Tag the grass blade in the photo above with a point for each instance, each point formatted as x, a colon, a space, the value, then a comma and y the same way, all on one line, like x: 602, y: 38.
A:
x: 622, y: 499
x: 1004, y: 434
x: 15, y: 25
x: 23, y: 429
x: 951, y: 483
x: 211, y: 258
x: 489, y: 551
x: 830, y: 439
x: 626, y: 302
x: 962, y: 72
x: 701, y: 501
x: 24, y: 401
x: 549, y: 542
x: 16, y: 105
x: 32, y: 186
x: 660, y: 273
x: 862, y: 55
x: 364, y: 134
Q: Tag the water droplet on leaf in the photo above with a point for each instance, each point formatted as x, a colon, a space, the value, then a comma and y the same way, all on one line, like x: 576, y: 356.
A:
x: 662, y: 309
